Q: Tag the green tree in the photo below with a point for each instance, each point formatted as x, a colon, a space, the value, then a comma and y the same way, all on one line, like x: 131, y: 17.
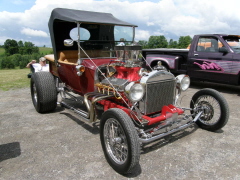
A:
x: 21, y: 47
x: 19, y: 54
x: 20, y: 44
x: 143, y: 43
x: 11, y: 47
x: 35, y: 49
x: 16, y: 58
x: 163, y: 42
x: 24, y: 61
x: 29, y: 48
x: 184, y: 41
x: 6, y: 63
x: 157, y: 42
x: 172, y: 44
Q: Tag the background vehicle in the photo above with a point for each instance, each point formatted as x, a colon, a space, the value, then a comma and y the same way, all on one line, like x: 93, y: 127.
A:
x: 211, y: 57
x: 101, y: 78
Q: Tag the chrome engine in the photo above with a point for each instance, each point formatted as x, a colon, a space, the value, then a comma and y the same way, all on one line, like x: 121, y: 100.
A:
x: 159, y: 86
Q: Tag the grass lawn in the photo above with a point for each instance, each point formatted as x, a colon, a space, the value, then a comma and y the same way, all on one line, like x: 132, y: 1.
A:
x: 45, y: 50
x: 14, y: 78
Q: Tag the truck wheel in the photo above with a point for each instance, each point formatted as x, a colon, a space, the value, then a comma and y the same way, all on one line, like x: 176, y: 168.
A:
x: 119, y: 140
x: 214, y: 107
x: 43, y: 92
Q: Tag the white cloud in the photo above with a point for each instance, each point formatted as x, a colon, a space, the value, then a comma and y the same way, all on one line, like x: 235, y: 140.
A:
x: 171, y: 18
x: 142, y: 35
x: 3, y: 39
x: 150, y: 23
x: 32, y: 32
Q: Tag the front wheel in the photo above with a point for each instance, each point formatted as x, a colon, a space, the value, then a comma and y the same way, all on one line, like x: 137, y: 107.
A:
x: 119, y: 140
x: 214, y: 108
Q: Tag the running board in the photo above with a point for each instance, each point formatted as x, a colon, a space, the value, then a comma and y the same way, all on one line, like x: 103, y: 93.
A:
x: 82, y: 113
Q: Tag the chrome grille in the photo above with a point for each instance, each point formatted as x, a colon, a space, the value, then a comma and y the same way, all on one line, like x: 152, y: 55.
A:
x: 157, y: 95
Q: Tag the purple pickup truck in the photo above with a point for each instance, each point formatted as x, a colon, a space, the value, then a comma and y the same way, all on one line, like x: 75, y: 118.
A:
x: 211, y: 57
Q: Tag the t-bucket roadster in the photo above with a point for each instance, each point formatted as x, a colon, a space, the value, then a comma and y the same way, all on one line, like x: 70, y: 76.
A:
x: 101, y: 75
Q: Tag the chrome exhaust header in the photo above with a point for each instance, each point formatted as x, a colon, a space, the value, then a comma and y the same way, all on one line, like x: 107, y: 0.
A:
x: 90, y: 114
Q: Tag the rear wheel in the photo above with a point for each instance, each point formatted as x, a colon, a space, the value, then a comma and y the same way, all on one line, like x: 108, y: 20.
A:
x: 43, y: 92
x: 214, y: 108
x: 119, y: 140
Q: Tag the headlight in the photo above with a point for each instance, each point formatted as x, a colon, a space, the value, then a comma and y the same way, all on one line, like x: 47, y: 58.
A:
x: 135, y: 91
x: 183, y: 81
x: 80, y: 69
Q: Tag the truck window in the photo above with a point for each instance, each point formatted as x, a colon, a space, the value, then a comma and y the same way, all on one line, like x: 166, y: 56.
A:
x: 233, y: 42
x: 208, y: 44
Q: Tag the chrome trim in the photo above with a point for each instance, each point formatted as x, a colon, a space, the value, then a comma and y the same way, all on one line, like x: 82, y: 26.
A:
x: 91, y: 105
x: 90, y: 115
x: 150, y: 139
x: 156, y: 76
x: 78, y: 111
x: 78, y: 43
x: 115, y: 141
x: 68, y: 42
x: 93, y: 113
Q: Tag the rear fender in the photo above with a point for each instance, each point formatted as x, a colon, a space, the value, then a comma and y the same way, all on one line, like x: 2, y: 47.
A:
x: 164, y: 63
x: 167, y: 60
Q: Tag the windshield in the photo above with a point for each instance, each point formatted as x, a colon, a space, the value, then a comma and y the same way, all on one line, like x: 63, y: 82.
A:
x: 123, y: 33
x: 100, y: 39
x: 233, y: 42
x: 94, y: 32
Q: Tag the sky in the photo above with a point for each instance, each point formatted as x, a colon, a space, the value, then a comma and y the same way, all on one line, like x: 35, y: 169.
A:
x: 27, y: 20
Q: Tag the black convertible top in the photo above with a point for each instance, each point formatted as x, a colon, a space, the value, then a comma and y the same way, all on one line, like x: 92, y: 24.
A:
x: 72, y: 15
x: 63, y: 20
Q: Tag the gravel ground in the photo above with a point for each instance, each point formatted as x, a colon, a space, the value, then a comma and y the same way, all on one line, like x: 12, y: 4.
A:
x: 60, y: 145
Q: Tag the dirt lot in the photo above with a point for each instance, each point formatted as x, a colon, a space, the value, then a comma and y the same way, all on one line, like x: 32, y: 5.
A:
x: 59, y: 145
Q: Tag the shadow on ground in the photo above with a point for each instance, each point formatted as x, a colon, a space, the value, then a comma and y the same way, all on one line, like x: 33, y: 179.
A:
x: 168, y: 139
x: 10, y: 150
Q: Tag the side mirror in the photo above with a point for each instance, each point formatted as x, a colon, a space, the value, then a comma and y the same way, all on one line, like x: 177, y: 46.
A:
x: 68, y: 42
x: 223, y: 50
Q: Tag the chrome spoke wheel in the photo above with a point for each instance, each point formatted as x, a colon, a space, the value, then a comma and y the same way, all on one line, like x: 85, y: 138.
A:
x: 115, y: 141
x: 211, y: 109
x: 214, y: 108
x: 119, y: 140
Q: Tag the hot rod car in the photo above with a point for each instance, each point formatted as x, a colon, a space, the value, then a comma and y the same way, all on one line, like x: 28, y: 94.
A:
x: 98, y: 72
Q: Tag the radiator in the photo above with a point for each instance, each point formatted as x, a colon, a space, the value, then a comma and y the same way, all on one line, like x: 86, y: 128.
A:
x: 157, y: 95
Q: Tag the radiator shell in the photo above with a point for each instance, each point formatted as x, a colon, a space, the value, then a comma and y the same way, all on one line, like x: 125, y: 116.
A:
x: 160, y: 90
